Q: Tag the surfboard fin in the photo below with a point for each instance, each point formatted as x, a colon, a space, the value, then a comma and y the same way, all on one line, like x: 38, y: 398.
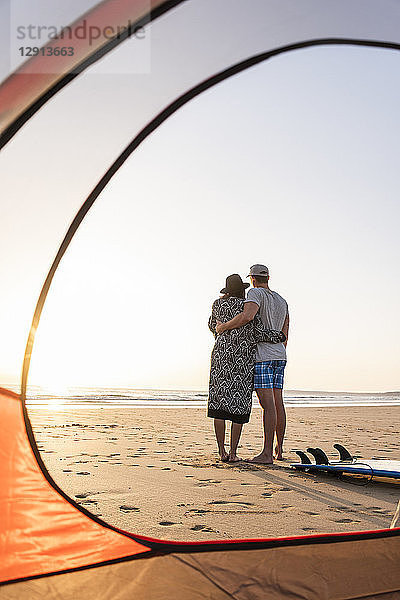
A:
x: 319, y: 455
x: 343, y: 452
x: 303, y: 457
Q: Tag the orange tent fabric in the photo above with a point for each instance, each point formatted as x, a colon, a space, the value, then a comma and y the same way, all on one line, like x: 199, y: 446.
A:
x: 40, y: 531
x: 34, y: 78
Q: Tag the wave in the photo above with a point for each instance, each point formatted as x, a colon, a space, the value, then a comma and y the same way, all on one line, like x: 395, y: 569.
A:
x: 125, y: 398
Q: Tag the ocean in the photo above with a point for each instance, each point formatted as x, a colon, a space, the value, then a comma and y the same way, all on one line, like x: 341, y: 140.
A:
x: 125, y: 398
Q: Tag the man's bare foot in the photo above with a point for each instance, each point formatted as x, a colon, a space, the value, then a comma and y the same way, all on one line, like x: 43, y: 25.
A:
x: 233, y: 458
x: 262, y: 459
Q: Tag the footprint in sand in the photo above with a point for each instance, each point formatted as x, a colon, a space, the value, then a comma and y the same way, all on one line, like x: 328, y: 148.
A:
x: 231, y: 502
x: 205, y: 481
x: 168, y: 523
x: 202, y: 528
x: 125, y: 508
x: 377, y: 509
x: 83, y: 473
x: 346, y: 521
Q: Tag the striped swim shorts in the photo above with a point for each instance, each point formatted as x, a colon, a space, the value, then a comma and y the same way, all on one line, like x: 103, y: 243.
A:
x: 269, y: 374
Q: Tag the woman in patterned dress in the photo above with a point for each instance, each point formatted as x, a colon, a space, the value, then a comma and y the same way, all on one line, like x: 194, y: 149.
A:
x: 232, y: 362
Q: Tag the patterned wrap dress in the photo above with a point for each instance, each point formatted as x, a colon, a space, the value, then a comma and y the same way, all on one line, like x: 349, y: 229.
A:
x: 232, y: 362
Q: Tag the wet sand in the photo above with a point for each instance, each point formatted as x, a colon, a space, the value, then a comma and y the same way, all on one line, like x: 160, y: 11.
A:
x: 156, y: 472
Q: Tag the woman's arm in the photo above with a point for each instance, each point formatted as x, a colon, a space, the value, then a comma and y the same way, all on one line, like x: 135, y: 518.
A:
x: 263, y: 334
x: 285, y: 329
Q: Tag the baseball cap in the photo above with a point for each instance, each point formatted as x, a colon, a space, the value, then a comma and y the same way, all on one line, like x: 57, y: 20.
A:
x: 260, y: 270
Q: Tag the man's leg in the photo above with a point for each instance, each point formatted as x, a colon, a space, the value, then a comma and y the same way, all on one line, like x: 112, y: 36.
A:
x: 266, y: 399
x: 280, y: 422
x: 219, y: 427
x: 236, y: 430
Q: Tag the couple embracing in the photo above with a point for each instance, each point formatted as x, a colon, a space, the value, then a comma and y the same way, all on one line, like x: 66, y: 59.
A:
x: 249, y: 353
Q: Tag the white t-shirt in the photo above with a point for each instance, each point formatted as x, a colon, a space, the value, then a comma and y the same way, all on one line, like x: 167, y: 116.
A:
x: 273, y: 310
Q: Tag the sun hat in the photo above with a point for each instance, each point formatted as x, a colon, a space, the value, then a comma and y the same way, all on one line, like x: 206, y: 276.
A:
x: 234, y: 283
x: 258, y: 270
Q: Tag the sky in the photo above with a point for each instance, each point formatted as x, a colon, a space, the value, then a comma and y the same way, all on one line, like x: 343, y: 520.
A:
x: 293, y: 163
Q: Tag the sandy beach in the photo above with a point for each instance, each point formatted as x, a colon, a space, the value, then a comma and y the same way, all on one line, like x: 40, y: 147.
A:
x: 156, y: 472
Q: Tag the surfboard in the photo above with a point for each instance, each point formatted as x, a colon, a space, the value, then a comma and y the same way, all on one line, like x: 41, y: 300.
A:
x: 379, y: 469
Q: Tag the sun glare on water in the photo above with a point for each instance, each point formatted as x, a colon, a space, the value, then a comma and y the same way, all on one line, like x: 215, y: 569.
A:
x: 55, y: 403
x: 56, y: 392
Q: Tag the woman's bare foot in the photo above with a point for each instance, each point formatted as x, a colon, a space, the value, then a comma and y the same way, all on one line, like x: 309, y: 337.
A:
x: 224, y: 456
x: 262, y: 459
x: 278, y: 453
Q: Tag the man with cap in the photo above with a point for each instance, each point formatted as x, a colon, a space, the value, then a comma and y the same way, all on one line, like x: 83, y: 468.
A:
x: 270, y: 358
